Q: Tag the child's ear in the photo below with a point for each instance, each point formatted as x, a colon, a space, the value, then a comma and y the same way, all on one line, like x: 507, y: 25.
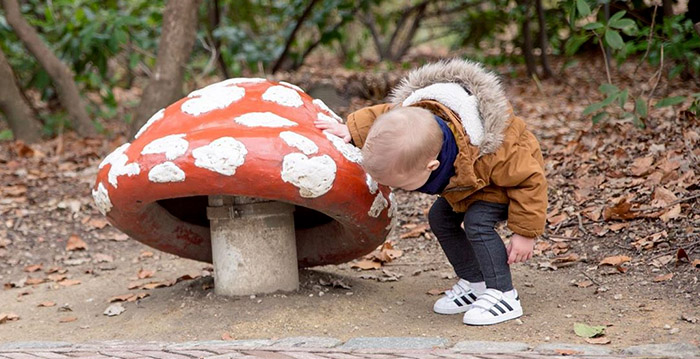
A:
x: 433, y: 165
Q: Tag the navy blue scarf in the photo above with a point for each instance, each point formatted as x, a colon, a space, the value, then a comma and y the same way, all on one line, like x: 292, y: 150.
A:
x: 439, y: 178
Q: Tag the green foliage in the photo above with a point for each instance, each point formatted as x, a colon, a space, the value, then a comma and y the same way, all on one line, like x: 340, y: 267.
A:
x: 102, y: 42
x: 674, y: 41
x: 6, y: 135
x: 254, y: 32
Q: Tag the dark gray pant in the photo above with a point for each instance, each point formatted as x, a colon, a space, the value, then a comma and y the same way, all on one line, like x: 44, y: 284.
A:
x: 476, y: 252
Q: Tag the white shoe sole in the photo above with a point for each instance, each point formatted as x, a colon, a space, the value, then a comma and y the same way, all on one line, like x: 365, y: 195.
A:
x: 449, y: 311
x: 517, y: 313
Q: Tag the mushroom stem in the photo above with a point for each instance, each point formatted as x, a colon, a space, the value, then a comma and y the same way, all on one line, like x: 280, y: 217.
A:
x: 253, y: 245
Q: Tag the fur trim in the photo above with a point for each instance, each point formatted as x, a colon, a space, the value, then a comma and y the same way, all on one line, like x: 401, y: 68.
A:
x: 484, y: 85
x: 458, y: 100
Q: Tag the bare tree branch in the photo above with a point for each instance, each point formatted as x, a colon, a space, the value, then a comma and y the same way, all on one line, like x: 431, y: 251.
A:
x: 307, y: 11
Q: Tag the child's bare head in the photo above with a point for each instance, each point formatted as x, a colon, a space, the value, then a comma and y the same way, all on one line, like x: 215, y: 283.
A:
x: 401, y: 145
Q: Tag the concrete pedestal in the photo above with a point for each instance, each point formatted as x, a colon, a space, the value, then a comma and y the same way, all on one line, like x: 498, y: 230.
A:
x: 253, y: 245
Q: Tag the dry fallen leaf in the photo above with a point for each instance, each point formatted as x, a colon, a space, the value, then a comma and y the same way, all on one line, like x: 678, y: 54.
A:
x: 8, y: 317
x: 682, y: 256
x: 416, y: 232
x: 366, y: 264
x: 67, y: 319
x: 121, y: 298
x: 584, y: 284
x: 642, y: 166
x: 46, y: 304
x: 436, y: 291
x: 75, y: 243
x: 69, y: 282
x: 663, y: 277
x: 33, y: 268
x: 620, y: 210
x: 98, y: 222
x: 56, y: 277
x: 696, y: 263
x: 226, y: 336
x: 615, y: 260
x: 34, y: 281
x: 144, y: 273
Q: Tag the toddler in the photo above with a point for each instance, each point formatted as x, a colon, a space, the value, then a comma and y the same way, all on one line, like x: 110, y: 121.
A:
x: 449, y: 130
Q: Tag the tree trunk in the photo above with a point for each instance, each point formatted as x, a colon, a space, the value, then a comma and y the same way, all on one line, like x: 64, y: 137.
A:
x: 527, y: 42
x: 544, y: 43
x: 60, y: 74
x: 19, y: 115
x: 174, y: 49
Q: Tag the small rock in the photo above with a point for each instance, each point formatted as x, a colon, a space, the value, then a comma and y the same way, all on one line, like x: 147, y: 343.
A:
x: 666, y: 326
x: 674, y: 331
x: 689, y: 319
x: 518, y: 322
x: 114, y: 310
x: 617, y: 296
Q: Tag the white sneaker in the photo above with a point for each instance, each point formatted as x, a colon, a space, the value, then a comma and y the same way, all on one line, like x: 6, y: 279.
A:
x: 456, y: 300
x: 493, y: 307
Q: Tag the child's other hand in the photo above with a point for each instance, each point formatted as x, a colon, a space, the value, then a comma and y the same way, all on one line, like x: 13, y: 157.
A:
x: 520, y: 249
x: 335, y: 128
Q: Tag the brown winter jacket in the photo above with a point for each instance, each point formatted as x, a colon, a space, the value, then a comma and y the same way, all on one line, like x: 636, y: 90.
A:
x: 499, y: 160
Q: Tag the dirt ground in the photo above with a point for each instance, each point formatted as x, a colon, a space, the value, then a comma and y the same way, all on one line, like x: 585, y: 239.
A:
x: 635, y: 310
x: 653, y: 297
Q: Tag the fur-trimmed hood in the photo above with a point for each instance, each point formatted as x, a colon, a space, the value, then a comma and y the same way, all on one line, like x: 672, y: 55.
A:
x: 469, y: 90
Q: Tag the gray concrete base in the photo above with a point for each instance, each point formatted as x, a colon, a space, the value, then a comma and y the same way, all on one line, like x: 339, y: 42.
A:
x: 671, y: 350
x: 582, y: 349
x: 253, y: 246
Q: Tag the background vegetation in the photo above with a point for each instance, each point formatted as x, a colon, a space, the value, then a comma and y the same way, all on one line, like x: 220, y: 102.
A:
x: 116, y: 45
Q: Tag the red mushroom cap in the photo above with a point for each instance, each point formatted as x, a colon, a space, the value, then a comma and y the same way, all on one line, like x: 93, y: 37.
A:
x: 243, y: 137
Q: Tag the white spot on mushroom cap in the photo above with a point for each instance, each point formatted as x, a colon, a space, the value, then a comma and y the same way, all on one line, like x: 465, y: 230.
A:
x: 114, y: 154
x: 325, y: 107
x: 156, y: 117
x: 240, y: 80
x: 352, y: 153
x: 285, y: 83
x: 313, y: 176
x: 166, y: 172
x: 299, y: 142
x: 173, y: 146
x: 101, y: 197
x: 323, y: 117
x: 119, y: 167
x: 372, y: 184
x: 263, y: 119
x: 378, y: 205
x: 212, y: 97
x: 223, y: 155
x: 283, y: 95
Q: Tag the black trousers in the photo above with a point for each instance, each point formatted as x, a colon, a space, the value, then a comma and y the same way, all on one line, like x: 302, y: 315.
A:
x: 476, y: 252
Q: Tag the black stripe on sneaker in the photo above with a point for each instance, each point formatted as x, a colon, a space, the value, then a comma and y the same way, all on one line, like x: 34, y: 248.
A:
x: 506, y: 304
x: 499, y: 308
x: 465, y: 300
x: 472, y: 296
x: 458, y: 303
x: 492, y: 312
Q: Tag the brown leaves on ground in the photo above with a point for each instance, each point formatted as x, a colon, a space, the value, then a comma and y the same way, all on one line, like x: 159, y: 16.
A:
x: 615, y: 260
x: 75, y: 243
x: 383, y: 254
x: 8, y: 317
x: 129, y: 297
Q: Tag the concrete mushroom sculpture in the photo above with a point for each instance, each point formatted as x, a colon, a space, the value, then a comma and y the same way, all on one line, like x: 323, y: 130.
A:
x: 237, y: 174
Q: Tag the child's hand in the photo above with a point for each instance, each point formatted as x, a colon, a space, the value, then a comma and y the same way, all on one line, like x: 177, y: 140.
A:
x: 335, y: 128
x: 520, y: 249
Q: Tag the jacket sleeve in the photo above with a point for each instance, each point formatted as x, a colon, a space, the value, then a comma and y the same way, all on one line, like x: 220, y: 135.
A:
x: 360, y: 121
x: 521, y: 172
